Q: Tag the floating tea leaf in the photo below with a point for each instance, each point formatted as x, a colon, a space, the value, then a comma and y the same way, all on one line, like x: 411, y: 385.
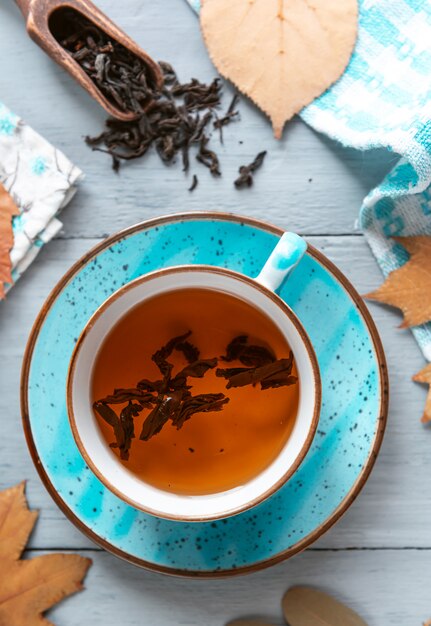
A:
x: 247, y: 354
x: 271, y: 373
x: 111, y: 418
x: 126, y: 420
x: 164, y: 410
x: 202, y: 403
x: 124, y: 395
x: 170, y: 398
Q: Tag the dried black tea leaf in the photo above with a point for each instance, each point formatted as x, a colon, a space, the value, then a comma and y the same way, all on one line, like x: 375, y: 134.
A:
x: 195, y: 182
x: 228, y: 117
x: 208, y: 157
x: 175, y: 121
x: 122, y: 77
x: 245, y: 178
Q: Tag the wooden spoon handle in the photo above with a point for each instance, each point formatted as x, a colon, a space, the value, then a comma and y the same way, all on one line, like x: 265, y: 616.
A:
x: 24, y: 5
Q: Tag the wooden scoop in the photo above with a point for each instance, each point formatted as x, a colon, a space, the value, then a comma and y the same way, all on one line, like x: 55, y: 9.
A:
x: 40, y: 17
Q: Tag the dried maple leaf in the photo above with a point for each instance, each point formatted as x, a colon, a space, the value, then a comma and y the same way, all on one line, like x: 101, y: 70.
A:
x: 8, y: 209
x: 424, y: 376
x: 30, y: 587
x: 280, y: 53
x: 409, y: 288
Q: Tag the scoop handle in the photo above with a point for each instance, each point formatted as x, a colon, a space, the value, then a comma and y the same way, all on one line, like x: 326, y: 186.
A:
x: 283, y: 259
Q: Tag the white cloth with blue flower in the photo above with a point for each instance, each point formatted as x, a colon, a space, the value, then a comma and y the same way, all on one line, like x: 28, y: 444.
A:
x: 384, y: 100
x: 40, y: 179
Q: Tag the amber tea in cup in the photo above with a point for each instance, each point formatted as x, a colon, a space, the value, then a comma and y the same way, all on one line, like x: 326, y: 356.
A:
x: 195, y: 390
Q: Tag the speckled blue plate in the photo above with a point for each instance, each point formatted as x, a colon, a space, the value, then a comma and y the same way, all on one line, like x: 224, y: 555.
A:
x: 353, y: 417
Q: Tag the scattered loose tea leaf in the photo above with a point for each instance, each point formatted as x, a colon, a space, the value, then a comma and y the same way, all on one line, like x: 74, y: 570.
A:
x: 281, y: 54
x: 303, y: 606
x: 121, y: 76
x: 173, y: 123
x: 208, y: 157
x: 8, y: 210
x: 194, y: 184
x: 424, y: 376
x: 405, y: 288
x: 228, y: 117
x: 245, y: 178
x: 30, y: 587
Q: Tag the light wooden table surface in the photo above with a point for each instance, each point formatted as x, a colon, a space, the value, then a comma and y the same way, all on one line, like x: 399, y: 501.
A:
x: 378, y: 557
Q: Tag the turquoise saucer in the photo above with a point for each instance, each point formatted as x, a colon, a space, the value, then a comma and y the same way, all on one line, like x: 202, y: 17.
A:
x: 351, y: 427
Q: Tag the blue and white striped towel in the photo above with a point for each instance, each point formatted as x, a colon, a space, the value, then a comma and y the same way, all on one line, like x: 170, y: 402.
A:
x: 384, y: 100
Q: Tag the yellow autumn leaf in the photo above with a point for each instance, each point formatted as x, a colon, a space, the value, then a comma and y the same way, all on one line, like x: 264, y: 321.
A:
x: 7, y: 210
x: 424, y: 376
x: 409, y: 288
x: 280, y: 53
x: 303, y: 606
x: 29, y: 587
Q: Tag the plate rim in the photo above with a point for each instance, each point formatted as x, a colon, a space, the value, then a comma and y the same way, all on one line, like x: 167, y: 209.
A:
x: 344, y: 504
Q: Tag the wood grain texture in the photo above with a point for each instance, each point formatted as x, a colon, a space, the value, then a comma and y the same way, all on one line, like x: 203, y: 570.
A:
x: 370, y: 583
x: 376, y: 559
x: 308, y: 183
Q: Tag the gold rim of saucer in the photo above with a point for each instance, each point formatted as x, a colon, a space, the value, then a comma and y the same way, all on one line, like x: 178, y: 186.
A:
x: 342, y: 507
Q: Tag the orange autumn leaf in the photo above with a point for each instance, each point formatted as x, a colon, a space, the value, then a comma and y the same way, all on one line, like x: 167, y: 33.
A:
x: 280, y: 53
x: 424, y: 376
x: 409, y: 288
x: 28, y: 588
x: 8, y: 209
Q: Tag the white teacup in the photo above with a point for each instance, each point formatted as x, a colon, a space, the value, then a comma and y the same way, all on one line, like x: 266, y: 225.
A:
x: 260, y: 293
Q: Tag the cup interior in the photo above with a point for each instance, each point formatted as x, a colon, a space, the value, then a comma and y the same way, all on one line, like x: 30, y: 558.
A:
x: 106, y: 465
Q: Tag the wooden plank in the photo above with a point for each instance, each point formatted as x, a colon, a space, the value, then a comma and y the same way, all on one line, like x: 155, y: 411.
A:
x: 387, y: 588
x: 308, y: 183
x: 391, y: 511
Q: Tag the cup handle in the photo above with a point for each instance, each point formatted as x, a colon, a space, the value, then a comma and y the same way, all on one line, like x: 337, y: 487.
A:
x: 285, y: 256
